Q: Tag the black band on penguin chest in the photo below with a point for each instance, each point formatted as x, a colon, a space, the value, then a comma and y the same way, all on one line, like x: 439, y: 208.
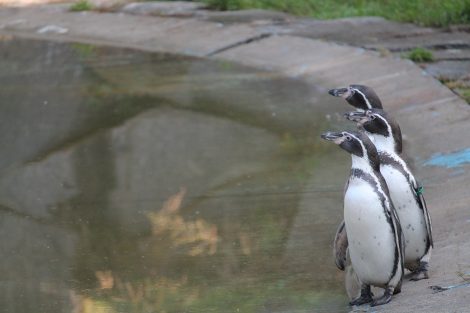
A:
x: 358, y: 173
x: 385, y: 158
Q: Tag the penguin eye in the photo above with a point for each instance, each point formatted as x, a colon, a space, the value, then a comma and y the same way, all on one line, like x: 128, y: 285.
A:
x: 372, y: 117
x: 348, y: 138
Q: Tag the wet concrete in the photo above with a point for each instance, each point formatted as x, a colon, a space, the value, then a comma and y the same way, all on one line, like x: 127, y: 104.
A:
x: 433, y: 119
x: 178, y: 176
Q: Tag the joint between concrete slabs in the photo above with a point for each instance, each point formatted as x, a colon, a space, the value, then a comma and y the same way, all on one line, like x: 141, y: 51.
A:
x: 240, y: 43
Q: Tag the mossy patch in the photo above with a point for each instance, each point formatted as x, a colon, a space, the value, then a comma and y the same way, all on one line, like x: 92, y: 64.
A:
x: 81, y: 5
x: 420, y: 55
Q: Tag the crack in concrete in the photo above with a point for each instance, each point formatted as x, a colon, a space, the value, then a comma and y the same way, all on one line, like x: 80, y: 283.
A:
x: 443, y: 46
x: 452, y: 59
x: 240, y: 43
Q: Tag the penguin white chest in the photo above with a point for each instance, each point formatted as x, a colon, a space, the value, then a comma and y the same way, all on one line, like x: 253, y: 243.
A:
x: 370, y: 234
x: 410, y: 214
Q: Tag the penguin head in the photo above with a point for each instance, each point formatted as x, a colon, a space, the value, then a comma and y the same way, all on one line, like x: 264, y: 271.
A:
x: 359, y: 96
x: 357, y: 144
x: 381, y: 127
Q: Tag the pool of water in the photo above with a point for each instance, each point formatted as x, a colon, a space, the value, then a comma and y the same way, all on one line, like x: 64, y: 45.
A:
x: 139, y: 182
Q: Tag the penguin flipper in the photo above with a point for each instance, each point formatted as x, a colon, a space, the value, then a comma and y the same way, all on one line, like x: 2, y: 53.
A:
x: 340, y: 247
x: 427, y: 217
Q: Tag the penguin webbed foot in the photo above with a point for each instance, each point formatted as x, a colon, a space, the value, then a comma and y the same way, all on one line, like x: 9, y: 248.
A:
x: 387, y: 296
x: 419, y: 275
x: 365, y: 297
x: 397, y: 288
x: 361, y: 300
x: 421, y: 272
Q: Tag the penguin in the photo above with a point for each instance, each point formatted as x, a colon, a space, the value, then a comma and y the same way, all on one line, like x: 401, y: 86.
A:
x: 362, y: 97
x: 359, y: 96
x: 405, y: 191
x: 375, y: 239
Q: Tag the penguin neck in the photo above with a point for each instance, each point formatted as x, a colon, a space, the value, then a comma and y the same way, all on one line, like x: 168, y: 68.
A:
x: 383, y: 144
x: 361, y: 163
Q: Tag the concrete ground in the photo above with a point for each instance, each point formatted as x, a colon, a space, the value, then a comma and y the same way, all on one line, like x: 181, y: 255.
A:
x: 434, y: 120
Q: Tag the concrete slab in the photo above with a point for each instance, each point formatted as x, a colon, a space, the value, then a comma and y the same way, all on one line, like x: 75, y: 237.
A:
x: 255, y: 16
x: 319, y: 62
x: 372, y: 30
x: 431, y: 40
x: 449, y: 70
x: 185, y: 36
x: 163, y: 8
x: 452, y: 55
x: 444, y: 120
x: 294, y: 56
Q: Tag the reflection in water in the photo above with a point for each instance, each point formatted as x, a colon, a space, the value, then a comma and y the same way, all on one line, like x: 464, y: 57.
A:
x: 167, y: 224
x: 136, y: 182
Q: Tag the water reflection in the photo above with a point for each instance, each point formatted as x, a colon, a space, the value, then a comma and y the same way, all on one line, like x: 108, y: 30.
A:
x: 135, y: 182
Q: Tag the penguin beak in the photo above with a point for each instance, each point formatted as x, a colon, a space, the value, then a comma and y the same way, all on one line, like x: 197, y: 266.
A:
x: 331, y: 136
x: 339, y: 92
x: 356, y: 116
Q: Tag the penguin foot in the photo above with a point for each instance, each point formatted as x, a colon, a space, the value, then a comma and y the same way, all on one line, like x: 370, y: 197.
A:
x: 421, y: 272
x: 365, y: 297
x: 384, y: 299
x: 397, y: 289
x: 419, y: 275
x: 361, y: 300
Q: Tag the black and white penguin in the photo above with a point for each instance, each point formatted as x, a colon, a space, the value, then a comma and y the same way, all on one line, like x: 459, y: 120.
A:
x: 405, y: 191
x: 362, y: 97
x: 375, y: 240
x: 359, y: 96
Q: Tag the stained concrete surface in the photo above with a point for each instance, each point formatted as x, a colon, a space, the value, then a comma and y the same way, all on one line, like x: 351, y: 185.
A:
x: 433, y: 119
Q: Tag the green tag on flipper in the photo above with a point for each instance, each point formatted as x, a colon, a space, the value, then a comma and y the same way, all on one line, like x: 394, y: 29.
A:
x: 420, y: 190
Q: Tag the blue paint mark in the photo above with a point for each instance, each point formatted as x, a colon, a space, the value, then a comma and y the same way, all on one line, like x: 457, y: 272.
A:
x: 451, y: 160
x: 440, y: 289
